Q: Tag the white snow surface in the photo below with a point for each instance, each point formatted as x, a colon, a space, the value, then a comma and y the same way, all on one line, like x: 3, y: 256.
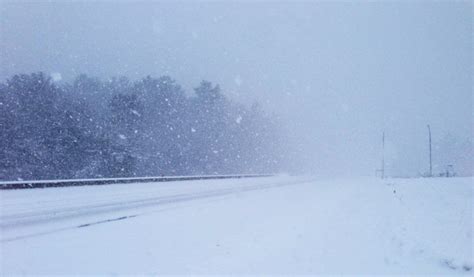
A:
x: 272, y: 225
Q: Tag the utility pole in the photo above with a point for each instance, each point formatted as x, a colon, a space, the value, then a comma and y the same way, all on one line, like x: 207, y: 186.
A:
x: 429, y: 137
x: 383, y: 155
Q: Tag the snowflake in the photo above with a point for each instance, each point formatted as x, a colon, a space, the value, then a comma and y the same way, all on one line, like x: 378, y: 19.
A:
x: 136, y: 113
x: 238, y: 119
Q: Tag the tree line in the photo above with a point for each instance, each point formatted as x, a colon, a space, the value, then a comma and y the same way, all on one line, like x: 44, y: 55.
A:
x: 90, y: 128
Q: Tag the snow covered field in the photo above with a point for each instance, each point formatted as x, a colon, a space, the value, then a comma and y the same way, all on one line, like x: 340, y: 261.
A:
x: 273, y: 225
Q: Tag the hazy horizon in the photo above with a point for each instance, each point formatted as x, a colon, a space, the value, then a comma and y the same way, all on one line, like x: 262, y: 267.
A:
x: 336, y: 74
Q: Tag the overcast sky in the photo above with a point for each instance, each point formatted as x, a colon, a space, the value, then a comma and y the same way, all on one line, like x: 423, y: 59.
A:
x: 338, y: 74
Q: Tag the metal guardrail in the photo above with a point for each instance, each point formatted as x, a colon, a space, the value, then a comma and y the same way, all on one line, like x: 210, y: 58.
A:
x: 108, y: 181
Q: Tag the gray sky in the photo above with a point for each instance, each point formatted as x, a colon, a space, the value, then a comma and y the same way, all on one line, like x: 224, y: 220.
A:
x: 337, y: 73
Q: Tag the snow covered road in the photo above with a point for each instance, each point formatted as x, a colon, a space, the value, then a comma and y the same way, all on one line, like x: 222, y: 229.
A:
x: 41, y: 208
x: 289, y: 225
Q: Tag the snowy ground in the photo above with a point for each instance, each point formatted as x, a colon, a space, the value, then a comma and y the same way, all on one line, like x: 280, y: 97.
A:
x: 274, y: 225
